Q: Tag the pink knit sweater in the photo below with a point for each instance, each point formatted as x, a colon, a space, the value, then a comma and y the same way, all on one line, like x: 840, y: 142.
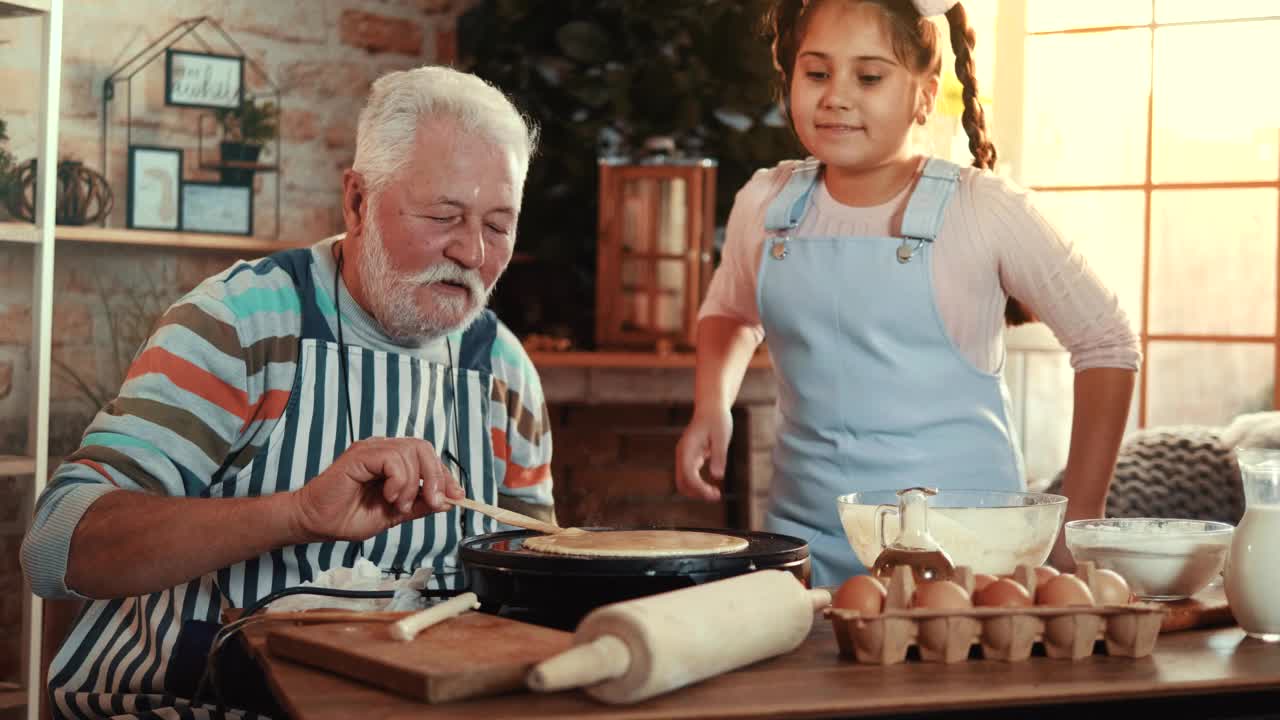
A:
x: 993, y: 243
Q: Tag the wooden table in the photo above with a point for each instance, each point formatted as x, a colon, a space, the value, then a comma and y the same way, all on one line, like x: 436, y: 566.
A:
x: 813, y: 681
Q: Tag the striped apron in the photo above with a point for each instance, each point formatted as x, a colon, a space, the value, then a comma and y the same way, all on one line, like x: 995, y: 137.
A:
x: 119, y: 658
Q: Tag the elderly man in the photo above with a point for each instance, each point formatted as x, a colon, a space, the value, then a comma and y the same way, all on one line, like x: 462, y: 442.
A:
x: 293, y: 414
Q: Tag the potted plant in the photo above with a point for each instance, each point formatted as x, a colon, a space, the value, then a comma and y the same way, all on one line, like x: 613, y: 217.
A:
x: 245, y: 130
x: 7, y: 168
x: 600, y: 77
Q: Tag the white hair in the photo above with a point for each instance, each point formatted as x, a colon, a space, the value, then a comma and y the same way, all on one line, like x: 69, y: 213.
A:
x: 399, y: 101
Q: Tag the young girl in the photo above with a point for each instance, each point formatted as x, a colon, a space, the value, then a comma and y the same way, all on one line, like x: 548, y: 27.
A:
x: 883, y: 281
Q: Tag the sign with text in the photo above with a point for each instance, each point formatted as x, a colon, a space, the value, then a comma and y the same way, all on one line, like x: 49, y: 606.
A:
x: 203, y: 80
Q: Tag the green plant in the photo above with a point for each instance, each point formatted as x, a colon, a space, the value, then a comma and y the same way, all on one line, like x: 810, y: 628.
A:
x: 252, y: 123
x: 601, y: 76
x: 8, y: 165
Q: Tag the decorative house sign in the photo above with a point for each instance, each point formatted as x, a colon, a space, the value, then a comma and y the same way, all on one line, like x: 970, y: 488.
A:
x: 203, y: 79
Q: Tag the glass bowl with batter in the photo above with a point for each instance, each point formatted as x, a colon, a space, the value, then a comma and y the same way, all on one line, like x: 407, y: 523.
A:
x: 988, y: 531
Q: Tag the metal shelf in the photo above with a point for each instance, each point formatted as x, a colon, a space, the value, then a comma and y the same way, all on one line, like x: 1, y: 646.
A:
x: 238, y: 165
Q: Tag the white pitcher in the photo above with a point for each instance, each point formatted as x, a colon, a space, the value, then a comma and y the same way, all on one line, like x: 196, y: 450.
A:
x: 1252, y: 573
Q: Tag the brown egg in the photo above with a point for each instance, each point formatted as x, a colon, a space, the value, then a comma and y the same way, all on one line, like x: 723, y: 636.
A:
x: 941, y: 595
x: 861, y: 593
x: 1112, y: 589
x: 1003, y: 593
x: 982, y: 580
x: 1064, y: 591
x: 1044, y: 574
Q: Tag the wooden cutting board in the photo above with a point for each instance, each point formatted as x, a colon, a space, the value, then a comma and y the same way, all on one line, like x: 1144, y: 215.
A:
x: 1207, y: 608
x: 471, y: 655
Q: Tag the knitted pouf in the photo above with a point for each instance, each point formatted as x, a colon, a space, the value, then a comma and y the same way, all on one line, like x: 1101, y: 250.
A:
x: 1174, y: 472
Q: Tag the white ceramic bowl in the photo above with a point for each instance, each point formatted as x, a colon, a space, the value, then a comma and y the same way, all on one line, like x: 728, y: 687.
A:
x: 989, y: 531
x: 1161, y: 558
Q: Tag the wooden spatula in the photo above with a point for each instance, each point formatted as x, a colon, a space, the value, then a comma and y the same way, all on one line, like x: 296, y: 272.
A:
x: 510, y: 517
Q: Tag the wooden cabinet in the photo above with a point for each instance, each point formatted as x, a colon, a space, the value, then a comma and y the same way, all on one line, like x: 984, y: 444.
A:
x: 656, y: 228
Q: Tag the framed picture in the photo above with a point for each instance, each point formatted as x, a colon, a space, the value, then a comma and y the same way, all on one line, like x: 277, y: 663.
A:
x: 154, y: 198
x: 215, y: 208
x: 203, y: 80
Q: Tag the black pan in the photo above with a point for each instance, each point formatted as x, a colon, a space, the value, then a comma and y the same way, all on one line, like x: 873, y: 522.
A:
x: 558, y: 590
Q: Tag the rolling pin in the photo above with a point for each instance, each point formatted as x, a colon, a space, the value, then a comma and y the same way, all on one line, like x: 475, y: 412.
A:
x: 409, y: 627
x: 634, y: 650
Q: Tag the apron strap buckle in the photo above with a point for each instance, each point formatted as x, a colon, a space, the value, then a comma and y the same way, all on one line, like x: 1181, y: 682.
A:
x: 908, y: 248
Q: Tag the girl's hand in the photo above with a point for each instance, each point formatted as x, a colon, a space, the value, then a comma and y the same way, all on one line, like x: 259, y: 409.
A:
x: 706, y: 438
x: 1060, y: 557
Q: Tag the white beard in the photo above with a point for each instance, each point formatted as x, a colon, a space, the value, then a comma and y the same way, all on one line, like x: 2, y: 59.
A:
x: 391, y: 294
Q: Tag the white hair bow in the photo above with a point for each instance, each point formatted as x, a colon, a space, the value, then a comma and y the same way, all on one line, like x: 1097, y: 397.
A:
x: 929, y: 8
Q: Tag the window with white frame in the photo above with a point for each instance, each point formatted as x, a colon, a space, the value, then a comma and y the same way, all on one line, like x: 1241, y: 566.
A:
x: 1152, y: 137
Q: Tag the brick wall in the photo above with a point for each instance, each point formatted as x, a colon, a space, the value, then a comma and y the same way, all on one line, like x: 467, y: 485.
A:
x: 614, y: 466
x: 755, y: 429
x: 615, y: 426
x: 11, y: 583
x: 323, y: 54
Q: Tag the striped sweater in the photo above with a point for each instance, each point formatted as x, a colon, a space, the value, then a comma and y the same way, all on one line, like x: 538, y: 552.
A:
x: 212, y: 382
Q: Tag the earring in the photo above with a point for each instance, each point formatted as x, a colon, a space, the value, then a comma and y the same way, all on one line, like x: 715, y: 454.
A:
x: 921, y: 118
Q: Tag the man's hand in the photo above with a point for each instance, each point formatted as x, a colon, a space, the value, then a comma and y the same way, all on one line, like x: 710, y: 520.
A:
x: 376, y: 484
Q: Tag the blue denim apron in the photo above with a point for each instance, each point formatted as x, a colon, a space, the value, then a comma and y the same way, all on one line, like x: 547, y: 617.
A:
x: 872, y: 393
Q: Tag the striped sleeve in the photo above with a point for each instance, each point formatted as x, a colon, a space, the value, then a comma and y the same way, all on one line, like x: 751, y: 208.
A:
x: 520, y: 425
x: 198, y: 400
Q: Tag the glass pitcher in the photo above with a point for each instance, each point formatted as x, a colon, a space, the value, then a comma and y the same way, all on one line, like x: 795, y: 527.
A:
x: 914, y: 546
x: 1252, y: 573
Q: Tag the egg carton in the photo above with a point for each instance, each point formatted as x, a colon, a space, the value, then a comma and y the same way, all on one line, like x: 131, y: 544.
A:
x: 1008, y: 634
